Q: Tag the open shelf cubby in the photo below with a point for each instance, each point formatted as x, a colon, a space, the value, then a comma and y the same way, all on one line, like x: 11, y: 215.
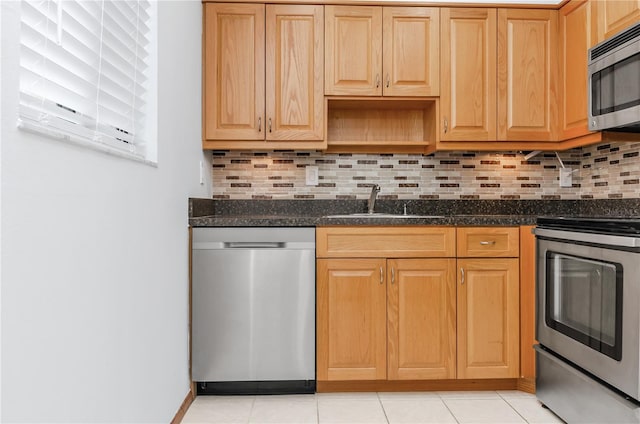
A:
x: 381, y: 124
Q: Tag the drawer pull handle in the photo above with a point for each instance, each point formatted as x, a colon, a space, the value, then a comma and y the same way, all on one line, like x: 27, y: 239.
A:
x: 461, y: 276
x: 377, y: 80
x: 446, y: 125
x: 260, y: 124
x: 388, y: 80
x: 488, y: 243
x: 393, y: 275
x: 269, y: 124
x: 381, y: 276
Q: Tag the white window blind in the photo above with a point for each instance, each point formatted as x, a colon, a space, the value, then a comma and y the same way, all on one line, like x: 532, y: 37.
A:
x: 84, y: 71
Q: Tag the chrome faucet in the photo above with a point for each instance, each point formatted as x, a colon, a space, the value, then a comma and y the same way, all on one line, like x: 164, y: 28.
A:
x: 375, y: 189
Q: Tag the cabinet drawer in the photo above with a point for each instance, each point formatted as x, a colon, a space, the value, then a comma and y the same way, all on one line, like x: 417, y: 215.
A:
x: 385, y: 242
x: 488, y: 242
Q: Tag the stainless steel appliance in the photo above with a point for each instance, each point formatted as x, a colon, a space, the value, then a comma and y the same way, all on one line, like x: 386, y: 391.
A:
x: 253, y: 310
x: 587, y: 317
x: 614, y: 82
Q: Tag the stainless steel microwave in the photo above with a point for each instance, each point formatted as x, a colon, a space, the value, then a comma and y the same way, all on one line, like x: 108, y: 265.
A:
x: 614, y: 82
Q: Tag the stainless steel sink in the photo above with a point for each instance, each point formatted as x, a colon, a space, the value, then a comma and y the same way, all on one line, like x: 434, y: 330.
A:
x: 384, y: 215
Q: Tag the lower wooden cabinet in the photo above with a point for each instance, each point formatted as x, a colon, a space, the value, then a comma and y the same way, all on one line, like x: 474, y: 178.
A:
x: 351, y: 319
x: 386, y: 319
x: 488, y: 318
x: 417, y: 318
x: 421, y: 314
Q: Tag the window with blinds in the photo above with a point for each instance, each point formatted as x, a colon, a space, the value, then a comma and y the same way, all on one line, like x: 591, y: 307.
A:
x: 84, y: 72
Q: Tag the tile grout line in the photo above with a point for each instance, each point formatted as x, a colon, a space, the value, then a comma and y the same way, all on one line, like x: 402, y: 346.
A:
x: 512, y: 407
x: 382, y: 407
x: 253, y: 402
x: 444, y: 401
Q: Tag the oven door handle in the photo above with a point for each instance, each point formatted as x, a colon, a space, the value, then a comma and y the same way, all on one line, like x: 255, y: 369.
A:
x: 602, y: 239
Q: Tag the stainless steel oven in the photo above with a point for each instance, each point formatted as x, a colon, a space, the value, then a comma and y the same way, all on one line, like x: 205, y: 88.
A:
x: 588, y: 300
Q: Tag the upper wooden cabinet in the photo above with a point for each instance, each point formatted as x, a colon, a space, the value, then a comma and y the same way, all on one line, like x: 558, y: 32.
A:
x: 576, y: 37
x: 375, y: 51
x: 353, y: 50
x: 254, y: 53
x: 233, y: 72
x: 527, y: 75
x: 411, y: 51
x: 613, y: 16
x: 295, y: 66
x: 516, y: 48
x: 402, y: 79
x: 468, y: 74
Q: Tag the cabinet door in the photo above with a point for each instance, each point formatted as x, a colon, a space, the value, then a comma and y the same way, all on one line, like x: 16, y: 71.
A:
x: 613, y: 16
x: 411, y: 51
x: 351, y: 317
x: 353, y: 50
x: 233, y: 72
x: 575, y: 40
x: 527, y: 73
x: 421, y: 308
x: 294, y: 75
x: 468, y: 74
x: 488, y: 318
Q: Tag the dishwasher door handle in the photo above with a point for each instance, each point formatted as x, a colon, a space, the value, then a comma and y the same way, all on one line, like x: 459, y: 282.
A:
x: 254, y: 245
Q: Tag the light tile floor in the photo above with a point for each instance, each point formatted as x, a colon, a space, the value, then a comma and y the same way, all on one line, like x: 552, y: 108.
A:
x: 371, y: 408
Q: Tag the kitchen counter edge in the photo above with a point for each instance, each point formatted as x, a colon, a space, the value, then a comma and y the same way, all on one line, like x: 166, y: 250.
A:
x: 321, y: 221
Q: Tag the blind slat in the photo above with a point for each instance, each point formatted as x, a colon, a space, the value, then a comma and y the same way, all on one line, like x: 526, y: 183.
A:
x: 68, y: 68
x: 76, y: 52
x: 83, y: 68
x: 36, y: 85
x: 47, y: 113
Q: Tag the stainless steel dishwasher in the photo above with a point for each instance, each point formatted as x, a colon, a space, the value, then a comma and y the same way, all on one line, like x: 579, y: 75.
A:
x: 253, y: 310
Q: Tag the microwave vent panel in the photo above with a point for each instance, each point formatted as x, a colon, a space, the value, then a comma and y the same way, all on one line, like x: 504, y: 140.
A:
x: 615, y: 41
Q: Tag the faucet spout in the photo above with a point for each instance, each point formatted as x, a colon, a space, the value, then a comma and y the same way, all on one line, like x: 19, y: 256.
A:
x: 371, y: 204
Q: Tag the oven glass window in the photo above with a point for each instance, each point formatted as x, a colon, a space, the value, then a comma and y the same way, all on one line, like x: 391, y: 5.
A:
x: 584, y: 301
x: 616, y: 87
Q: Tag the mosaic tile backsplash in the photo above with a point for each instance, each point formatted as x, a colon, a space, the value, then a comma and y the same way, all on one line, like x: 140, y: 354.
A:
x: 605, y: 171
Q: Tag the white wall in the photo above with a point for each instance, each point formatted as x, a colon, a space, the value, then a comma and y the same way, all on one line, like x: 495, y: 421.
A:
x: 1, y: 136
x: 94, y: 253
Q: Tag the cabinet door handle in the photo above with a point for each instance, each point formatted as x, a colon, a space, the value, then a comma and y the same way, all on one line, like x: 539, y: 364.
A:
x: 260, y: 124
x: 381, y: 276
x: 377, y: 80
x: 393, y: 275
x: 269, y: 124
x: 488, y: 243
x: 461, y: 276
x: 446, y: 125
x: 388, y: 80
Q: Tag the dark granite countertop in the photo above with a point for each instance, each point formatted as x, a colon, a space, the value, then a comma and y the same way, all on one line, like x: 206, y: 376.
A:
x: 311, y: 213
x: 318, y: 221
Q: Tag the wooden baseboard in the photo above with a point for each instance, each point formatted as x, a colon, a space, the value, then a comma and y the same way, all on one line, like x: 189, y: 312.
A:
x: 415, y: 385
x: 527, y: 385
x: 185, y: 405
